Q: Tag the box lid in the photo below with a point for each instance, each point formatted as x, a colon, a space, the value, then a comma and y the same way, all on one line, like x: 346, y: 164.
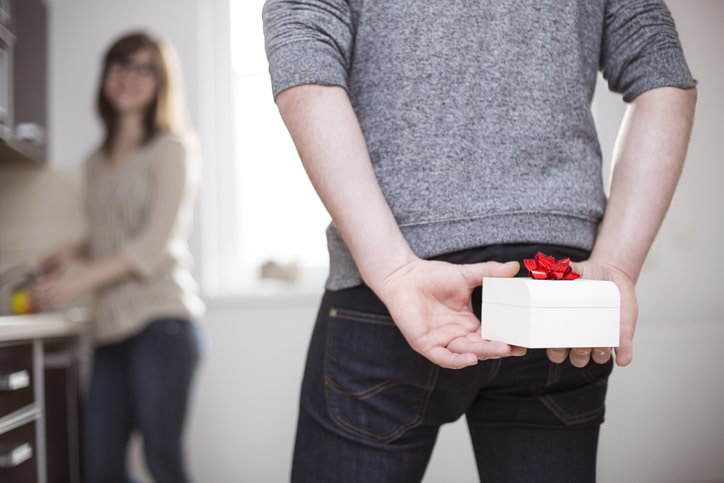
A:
x: 527, y: 292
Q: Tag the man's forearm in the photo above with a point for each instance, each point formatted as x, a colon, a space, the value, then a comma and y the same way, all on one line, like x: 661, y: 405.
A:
x: 332, y: 148
x: 648, y: 160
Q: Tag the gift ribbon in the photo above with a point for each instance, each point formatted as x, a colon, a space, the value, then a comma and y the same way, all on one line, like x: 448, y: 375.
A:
x: 545, y: 267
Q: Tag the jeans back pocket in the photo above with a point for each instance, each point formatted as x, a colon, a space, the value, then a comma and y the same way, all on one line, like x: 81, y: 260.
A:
x: 376, y: 385
x: 576, y: 395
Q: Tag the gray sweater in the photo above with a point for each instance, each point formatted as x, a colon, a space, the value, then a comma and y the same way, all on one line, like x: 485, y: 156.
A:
x: 477, y: 114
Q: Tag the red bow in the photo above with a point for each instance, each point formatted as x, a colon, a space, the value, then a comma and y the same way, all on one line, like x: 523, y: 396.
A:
x: 545, y: 267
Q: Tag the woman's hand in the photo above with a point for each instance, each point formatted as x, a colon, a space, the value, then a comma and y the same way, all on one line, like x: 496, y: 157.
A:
x: 53, y: 291
x: 57, y: 260
x: 430, y: 303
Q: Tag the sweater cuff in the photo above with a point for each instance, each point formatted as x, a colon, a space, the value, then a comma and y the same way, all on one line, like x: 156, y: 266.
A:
x: 662, y: 69
x: 306, y: 62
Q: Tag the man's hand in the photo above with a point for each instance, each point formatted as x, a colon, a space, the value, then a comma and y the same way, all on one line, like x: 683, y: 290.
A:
x: 647, y: 163
x: 629, y: 312
x: 430, y: 303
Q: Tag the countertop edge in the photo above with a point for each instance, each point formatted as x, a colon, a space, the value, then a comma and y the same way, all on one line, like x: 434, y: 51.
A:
x: 68, y: 322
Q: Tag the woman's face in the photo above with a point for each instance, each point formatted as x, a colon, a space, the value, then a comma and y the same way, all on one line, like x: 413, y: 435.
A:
x: 130, y: 86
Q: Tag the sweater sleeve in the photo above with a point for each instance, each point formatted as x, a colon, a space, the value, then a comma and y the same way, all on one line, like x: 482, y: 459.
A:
x: 171, y: 173
x: 307, y: 42
x: 641, y: 48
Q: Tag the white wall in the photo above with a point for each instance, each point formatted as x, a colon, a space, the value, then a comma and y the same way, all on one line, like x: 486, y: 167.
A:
x: 665, y: 418
x: 665, y: 421
x: 80, y: 32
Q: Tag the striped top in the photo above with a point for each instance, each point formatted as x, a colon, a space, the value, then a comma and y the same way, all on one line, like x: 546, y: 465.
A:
x: 143, y: 207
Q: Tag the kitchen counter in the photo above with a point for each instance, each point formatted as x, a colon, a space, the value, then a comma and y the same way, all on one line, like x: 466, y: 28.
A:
x: 41, y: 366
x: 44, y: 325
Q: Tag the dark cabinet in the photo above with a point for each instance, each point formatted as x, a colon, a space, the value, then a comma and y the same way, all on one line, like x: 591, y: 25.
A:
x: 16, y: 377
x: 23, y: 80
x: 20, y: 415
x: 39, y: 411
x: 61, y: 409
x: 18, y: 458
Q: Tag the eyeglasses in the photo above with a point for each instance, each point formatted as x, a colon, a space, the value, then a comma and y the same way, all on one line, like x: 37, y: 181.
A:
x: 145, y: 71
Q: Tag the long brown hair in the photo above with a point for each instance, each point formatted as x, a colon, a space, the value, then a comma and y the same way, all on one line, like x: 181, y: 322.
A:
x: 167, y: 111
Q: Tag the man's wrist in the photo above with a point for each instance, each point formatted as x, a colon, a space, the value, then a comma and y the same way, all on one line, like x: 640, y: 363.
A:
x: 379, y: 270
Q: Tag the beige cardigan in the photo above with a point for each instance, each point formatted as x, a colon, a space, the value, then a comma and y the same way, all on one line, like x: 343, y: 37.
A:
x: 144, y: 208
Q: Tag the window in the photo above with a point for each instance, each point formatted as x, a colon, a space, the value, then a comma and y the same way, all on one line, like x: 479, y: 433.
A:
x: 258, y: 200
x: 257, y: 204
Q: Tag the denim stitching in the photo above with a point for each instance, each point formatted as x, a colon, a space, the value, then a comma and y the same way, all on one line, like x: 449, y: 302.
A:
x: 332, y: 408
x: 361, y: 316
x: 374, y: 389
x: 564, y: 416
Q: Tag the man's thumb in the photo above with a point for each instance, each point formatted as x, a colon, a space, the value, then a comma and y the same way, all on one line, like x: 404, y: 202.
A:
x: 492, y: 269
x: 507, y: 269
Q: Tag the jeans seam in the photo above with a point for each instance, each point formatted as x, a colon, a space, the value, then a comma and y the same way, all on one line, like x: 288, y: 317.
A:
x: 361, y: 395
x: 565, y: 416
x: 361, y: 316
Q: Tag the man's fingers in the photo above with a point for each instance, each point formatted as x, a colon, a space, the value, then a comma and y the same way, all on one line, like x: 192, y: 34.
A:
x: 624, y: 355
x: 507, y: 269
x: 580, y: 357
x: 578, y: 267
x: 601, y: 355
x: 481, y: 348
x: 476, y: 271
x: 468, y: 350
x: 557, y: 355
x: 624, y: 352
x: 443, y: 357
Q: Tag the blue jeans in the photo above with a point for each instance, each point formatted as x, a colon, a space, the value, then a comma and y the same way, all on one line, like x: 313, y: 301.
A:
x: 142, y: 383
x: 371, y: 407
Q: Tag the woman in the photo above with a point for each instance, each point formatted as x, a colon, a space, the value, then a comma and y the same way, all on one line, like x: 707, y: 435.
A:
x: 141, y: 185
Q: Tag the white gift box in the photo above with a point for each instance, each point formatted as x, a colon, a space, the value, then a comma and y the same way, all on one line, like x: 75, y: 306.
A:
x: 551, y: 313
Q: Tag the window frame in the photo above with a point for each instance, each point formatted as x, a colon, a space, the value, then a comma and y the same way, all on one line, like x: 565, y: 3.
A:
x: 219, y: 199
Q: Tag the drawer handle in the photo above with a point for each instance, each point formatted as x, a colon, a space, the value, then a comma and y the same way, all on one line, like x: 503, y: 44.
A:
x: 14, y: 381
x: 15, y: 456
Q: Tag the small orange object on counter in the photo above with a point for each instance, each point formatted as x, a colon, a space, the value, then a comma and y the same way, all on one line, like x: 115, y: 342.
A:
x: 21, y: 303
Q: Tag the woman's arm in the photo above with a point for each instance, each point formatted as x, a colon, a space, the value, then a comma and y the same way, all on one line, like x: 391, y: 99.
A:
x: 56, y: 289
x: 175, y: 168
x: 58, y: 259
x: 174, y: 181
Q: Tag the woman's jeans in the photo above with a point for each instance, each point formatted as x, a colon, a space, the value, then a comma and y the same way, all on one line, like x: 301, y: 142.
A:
x: 371, y: 407
x: 142, y: 383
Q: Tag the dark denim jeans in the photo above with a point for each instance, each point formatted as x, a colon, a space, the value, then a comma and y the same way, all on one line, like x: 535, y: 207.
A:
x: 142, y: 383
x: 371, y: 407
